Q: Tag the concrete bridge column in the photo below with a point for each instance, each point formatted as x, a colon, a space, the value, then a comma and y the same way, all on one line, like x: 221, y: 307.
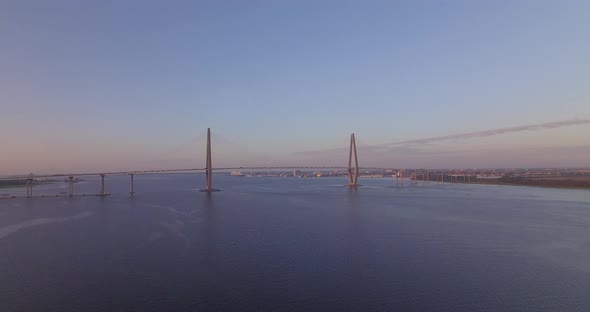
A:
x: 102, y: 192
x: 71, y: 186
x: 131, y: 190
x: 29, y: 188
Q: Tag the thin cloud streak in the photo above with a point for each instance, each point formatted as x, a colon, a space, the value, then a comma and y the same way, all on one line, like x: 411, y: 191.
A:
x: 416, y: 145
x: 493, y: 132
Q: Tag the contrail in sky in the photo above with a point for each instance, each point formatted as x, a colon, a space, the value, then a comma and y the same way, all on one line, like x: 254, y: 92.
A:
x: 460, y: 136
x: 493, y: 132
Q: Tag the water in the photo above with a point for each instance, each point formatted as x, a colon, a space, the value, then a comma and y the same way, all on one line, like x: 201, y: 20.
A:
x: 284, y: 244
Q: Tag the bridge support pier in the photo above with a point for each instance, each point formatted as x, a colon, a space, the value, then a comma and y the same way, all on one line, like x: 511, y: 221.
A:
x: 102, y: 190
x: 353, y: 167
x: 131, y: 190
x: 71, y: 186
x: 29, y: 188
x: 209, y: 167
x: 102, y: 184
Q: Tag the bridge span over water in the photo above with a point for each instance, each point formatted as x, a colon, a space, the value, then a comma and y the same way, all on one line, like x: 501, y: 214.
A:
x: 352, y: 172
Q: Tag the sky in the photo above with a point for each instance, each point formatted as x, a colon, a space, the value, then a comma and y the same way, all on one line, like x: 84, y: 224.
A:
x: 130, y: 85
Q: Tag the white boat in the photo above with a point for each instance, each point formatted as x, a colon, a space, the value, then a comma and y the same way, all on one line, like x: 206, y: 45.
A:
x: 236, y: 174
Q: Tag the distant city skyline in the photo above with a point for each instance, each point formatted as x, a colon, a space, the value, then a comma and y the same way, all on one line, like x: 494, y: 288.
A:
x: 134, y: 85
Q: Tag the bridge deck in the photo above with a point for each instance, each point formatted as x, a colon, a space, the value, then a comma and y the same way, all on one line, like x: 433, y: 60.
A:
x: 156, y: 171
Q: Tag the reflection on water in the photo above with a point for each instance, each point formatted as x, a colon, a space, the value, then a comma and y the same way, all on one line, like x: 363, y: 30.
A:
x: 296, y: 244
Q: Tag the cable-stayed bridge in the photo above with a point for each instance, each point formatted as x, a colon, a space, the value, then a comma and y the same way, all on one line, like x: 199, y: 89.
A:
x: 352, y: 171
x: 183, y: 170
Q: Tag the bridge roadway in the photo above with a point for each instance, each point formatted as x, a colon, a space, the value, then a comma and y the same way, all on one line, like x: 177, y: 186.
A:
x: 156, y: 171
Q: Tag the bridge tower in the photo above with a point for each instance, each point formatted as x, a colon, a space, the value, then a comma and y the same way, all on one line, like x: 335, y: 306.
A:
x: 353, y: 167
x: 209, y: 167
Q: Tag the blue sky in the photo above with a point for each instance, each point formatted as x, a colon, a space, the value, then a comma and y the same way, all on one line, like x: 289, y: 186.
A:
x: 134, y: 84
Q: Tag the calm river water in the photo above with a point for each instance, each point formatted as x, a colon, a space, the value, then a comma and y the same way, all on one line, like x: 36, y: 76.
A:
x: 286, y: 244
